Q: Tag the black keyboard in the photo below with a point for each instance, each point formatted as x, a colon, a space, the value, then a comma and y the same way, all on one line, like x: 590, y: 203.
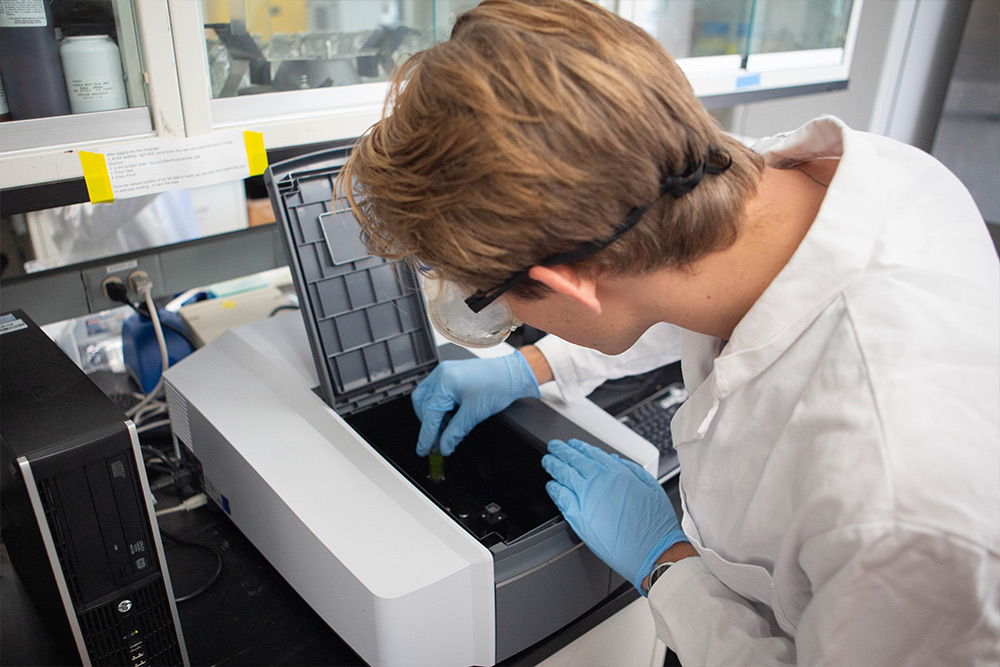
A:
x: 651, y: 417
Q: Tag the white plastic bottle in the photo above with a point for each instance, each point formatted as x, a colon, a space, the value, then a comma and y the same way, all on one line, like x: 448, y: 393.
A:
x: 93, y: 69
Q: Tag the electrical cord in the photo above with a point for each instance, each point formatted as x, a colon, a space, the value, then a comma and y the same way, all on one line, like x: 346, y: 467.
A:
x: 192, y: 503
x: 116, y: 291
x: 154, y: 455
x: 145, y: 289
x: 211, y: 580
x: 144, y: 312
x: 149, y: 406
x: 154, y: 409
x: 166, y: 480
x: 175, y: 474
x: 151, y: 425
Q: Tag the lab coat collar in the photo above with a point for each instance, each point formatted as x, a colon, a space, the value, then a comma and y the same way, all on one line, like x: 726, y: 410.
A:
x: 833, y: 253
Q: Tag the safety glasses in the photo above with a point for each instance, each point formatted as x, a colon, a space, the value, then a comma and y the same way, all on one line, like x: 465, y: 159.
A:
x: 452, y: 317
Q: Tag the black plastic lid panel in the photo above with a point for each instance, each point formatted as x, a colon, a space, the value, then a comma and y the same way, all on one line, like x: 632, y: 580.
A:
x: 367, y: 326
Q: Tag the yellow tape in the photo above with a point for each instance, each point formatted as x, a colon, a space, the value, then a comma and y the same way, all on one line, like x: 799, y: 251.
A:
x: 95, y: 173
x: 256, y: 155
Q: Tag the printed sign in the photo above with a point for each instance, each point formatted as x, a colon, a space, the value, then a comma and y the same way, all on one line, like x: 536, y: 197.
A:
x: 148, y: 168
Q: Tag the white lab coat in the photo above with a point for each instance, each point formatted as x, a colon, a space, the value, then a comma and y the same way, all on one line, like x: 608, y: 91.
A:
x: 840, y: 455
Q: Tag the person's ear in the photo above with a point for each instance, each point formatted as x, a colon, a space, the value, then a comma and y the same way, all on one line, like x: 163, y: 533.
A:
x: 566, y: 280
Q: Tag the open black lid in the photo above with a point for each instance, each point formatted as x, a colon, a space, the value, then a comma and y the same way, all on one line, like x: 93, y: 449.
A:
x: 365, y: 317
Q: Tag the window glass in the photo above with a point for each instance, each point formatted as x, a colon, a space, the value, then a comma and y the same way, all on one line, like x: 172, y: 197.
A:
x: 799, y: 25
x: 692, y: 28
x: 266, y: 46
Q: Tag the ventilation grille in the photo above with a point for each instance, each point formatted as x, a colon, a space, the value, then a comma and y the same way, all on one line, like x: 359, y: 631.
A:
x: 115, y: 638
x: 179, y: 422
x: 46, y: 492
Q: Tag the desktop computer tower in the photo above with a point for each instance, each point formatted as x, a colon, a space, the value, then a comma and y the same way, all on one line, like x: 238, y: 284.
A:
x: 77, y: 515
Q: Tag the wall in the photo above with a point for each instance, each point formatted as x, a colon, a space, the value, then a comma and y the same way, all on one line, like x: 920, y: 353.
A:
x: 968, y: 136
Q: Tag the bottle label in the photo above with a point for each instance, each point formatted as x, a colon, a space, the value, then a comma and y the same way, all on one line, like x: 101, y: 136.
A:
x: 83, y: 90
x: 22, y: 14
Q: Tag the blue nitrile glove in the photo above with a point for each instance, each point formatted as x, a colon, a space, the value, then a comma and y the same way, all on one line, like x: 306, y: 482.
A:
x: 615, y: 506
x: 479, y: 388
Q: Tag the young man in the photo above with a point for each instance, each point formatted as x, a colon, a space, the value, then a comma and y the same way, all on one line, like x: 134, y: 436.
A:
x: 839, y: 302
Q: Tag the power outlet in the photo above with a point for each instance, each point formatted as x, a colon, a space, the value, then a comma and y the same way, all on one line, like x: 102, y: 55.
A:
x: 134, y: 279
x: 109, y: 284
x: 96, y: 280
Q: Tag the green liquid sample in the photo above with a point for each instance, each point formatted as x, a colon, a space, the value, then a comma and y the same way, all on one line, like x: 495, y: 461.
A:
x: 436, y: 460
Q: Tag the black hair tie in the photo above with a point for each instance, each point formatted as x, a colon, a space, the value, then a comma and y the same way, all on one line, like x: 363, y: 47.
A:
x: 680, y: 184
x: 677, y: 185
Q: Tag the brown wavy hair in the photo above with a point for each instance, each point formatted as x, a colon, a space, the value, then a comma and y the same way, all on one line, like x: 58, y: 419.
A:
x: 536, y: 128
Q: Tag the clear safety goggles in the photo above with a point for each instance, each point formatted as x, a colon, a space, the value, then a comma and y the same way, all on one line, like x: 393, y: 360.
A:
x: 451, y: 315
